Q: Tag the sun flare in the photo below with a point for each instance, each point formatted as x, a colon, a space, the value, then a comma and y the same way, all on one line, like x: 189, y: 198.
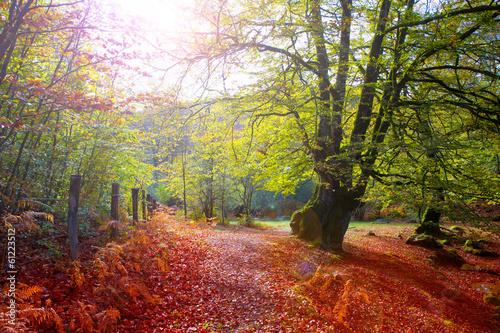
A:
x: 163, y: 15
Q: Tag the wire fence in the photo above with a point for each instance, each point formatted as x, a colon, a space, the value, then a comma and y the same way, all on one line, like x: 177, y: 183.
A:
x: 70, y: 224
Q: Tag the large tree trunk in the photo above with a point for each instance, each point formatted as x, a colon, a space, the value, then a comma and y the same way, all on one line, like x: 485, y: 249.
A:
x: 325, y: 218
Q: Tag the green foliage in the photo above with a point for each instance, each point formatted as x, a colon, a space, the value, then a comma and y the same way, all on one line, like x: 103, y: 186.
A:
x: 163, y: 193
x: 396, y: 98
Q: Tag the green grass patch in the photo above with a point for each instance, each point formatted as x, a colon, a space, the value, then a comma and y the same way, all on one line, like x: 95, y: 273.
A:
x: 271, y: 223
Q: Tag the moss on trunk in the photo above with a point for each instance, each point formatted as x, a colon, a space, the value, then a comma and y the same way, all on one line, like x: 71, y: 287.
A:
x: 431, y: 215
x: 325, y: 218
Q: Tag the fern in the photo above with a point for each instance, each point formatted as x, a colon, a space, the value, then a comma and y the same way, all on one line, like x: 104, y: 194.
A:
x: 43, y: 316
x: 30, y: 216
x: 77, y: 277
x: 20, y: 325
x: 111, y: 227
x: 341, y: 308
x: 162, y: 263
x: 101, y: 268
x: 146, y: 295
x: 25, y: 204
x: 140, y: 239
x: 111, y: 255
x: 108, y: 320
x: 7, y: 326
x: 26, y: 221
x: 24, y: 292
x: 9, y: 222
x: 129, y: 288
x: 82, y: 319
x: 136, y: 289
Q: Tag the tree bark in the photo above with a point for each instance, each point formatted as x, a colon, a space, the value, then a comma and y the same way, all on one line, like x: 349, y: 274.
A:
x: 325, y: 218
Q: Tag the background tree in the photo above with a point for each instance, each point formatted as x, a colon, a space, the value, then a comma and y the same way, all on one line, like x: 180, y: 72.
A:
x: 61, y: 109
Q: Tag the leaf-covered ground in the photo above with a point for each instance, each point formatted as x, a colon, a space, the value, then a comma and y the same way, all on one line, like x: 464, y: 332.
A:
x: 186, y: 277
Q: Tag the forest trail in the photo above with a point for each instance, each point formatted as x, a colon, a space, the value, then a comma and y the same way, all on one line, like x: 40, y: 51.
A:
x: 268, y: 281
x: 171, y: 275
x: 246, y: 287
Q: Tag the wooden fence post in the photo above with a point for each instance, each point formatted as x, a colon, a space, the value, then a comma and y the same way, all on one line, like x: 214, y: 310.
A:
x: 135, y: 204
x: 149, y: 199
x: 155, y: 205
x: 144, y: 217
x: 73, y: 201
x: 115, y: 198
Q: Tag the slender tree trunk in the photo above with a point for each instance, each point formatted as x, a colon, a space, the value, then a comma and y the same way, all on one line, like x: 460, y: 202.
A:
x: 17, y: 164
x: 184, y: 188
x: 223, y: 192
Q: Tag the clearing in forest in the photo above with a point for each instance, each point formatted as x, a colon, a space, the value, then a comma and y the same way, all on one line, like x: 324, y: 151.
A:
x: 176, y: 276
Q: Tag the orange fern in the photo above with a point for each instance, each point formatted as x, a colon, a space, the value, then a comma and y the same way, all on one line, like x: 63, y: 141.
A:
x: 25, y: 292
x: 43, y: 316
x: 77, y: 277
x: 162, y: 263
x: 82, y: 320
x: 7, y: 326
x: 101, y: 268
x: 107, y: 320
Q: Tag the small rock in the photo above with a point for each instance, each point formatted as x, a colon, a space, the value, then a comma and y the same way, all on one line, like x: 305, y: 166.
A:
x: 371, y: 233
x: 492, y: 298
x: 450, y: 257
x: 424, y: 240
x: 475, y: 248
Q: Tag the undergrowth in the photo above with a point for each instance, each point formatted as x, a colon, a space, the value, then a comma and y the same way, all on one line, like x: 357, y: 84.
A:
x: 115, y: 276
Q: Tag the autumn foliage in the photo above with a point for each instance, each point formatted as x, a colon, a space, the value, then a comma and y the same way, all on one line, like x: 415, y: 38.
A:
x: 172, y: 275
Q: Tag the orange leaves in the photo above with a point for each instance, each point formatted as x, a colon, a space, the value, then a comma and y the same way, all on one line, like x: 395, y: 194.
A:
x: 352, y: 297
x: 82, y: 318
x: 162, y: 263
x: 77, y: 277
x: 108, y: 319
x: 43, y: 317
x: 171, y: 276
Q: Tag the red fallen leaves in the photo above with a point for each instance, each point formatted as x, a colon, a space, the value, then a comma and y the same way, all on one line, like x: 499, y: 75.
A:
x: 188, y: 278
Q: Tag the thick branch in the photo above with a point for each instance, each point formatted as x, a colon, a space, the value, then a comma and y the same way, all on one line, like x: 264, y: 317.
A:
x: 365, y: 108
x: 478, y: 9
x: 464, y: 68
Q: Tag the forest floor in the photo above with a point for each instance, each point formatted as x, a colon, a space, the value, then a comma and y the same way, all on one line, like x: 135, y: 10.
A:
x: 175, y: 276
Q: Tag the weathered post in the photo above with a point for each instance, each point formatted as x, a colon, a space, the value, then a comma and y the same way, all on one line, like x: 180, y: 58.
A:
x: 115, y: 198
x: 135, y: 204
x: 144, y: 217
x: 155, y: 205
x: 73, y: 201
x: 149, y: 199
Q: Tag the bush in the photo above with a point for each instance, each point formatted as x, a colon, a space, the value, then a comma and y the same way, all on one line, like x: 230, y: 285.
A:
x: 396, y: 211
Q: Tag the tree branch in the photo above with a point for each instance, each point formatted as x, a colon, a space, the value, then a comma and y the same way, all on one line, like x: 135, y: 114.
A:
x: 478, y: 9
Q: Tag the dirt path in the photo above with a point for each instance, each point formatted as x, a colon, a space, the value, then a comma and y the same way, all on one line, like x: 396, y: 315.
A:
x: 248, y: 290
x: 266, y: 281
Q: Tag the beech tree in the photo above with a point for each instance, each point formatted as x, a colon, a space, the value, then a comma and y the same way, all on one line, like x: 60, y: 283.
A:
x: 347, y: 74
